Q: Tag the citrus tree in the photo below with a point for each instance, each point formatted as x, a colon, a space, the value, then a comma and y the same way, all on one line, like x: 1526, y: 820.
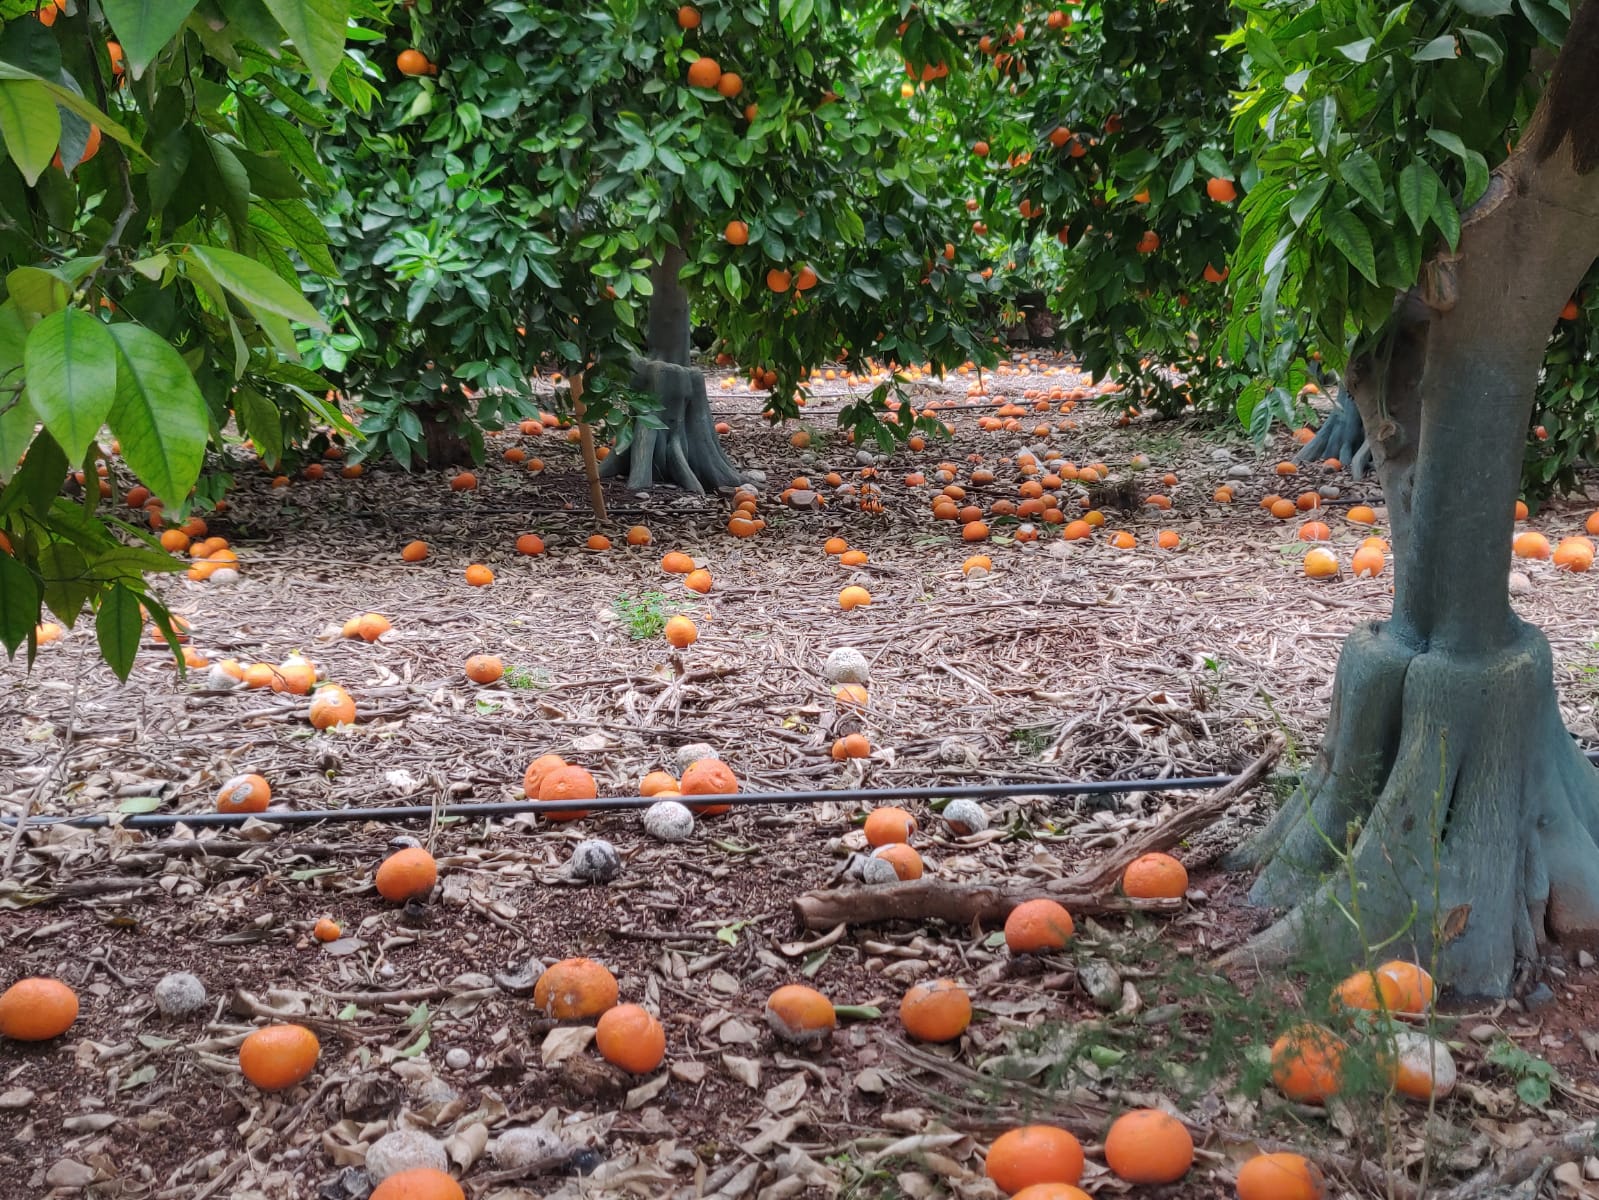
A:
x: 575, y: 185
x: 153, y: 224
x: 1428, y: 179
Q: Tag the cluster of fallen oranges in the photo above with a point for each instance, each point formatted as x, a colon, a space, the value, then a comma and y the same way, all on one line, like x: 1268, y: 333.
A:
x: 1034, y: 1162
x: 1570, y: 554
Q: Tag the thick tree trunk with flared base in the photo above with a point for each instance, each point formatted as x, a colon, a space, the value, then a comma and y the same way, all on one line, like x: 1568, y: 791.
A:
x: 1449, y: 809
x: 684, y: 450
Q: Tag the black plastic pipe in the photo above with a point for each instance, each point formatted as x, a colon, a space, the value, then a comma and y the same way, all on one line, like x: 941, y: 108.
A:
x: 511, y: 808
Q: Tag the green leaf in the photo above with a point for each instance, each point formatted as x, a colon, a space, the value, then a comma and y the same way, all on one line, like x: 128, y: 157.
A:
x: 1307, y: 198
x: 72, y: 377
x: 255, y: 284
x: 1441, y: 47
x: 72, y: 101
x: 1357, y: 51
x: 1361, y: 172
x: 1485, y: 8
x: 260, y: 419
x: 1419, y: 189
x: 36, y: 291
x: 316, y: 27
x: 1349, y: 234
x: 117, y: 626
x: 144, y: 26
x: 30, y: 124
x: 19, y: 603
x: 137, y: 805
x: 1550, y: 22
x: 159, y: 414
x: 67, y: 582
x: 1323, y: 115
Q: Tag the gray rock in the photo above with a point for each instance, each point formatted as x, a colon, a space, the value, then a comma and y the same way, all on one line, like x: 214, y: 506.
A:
x: 458, y: 1059
x: 804, y: 500
x: 865, y: 458
x: 1221, y: 455
x: 1240, y: 471
x: 965, y: 817
x: 847, y: 665
x: 1520, y: 585
x: 70, y: 1174
x: 1102, y: 983
x: 952, y: 751
x: 755, y: 476
x: 669, y: 821
x: 1483, y: 1033
x: 1541, y: 996
x: 178, y: 993
x: 1584, y: 959
x: 1328, y: 492
x: 596, y: 861
x: 876, y: 870
x: 688, y: 755
x: 224, y: 577
x: 404, y: 1150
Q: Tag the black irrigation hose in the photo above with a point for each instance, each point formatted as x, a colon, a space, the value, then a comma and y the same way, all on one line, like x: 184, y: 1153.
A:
x: 511, y: 808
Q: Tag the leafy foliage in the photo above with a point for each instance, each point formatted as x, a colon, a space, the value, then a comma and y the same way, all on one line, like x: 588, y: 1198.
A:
x: 153, y: 223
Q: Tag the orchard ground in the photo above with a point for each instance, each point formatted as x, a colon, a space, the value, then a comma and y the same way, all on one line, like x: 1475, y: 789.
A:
x: 1068, y: 660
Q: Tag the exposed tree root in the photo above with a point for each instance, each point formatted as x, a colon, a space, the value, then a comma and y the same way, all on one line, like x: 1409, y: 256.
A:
x: 1449, y: 788
x: 1342, y: 436
x: 1091, y: 891
x: 683, y: 449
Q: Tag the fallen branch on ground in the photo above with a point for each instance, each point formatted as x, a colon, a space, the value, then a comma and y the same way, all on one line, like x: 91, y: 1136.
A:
x: 1089, y: 892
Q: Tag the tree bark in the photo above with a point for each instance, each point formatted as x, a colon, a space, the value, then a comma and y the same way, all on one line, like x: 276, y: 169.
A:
x: 1449, y: 809
x: 585, y: 442
x: 679, y: 445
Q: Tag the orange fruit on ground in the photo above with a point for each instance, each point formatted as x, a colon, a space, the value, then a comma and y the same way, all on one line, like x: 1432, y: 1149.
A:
x: 937, y: 1011
x: 537, y: 770
x: 638, y: 535
x: 677, y: 563
x: 704, y: 73
x: 407, y: 874
x: 1412, y: 987
x: 244, y: 794
x: 657, y: 782
x: 1521, y: 510
x: 1155, y: 876
x: 1036, y: 926
x: 258, y: 675
x: 629, y: 1037
x: 278, y: 1056
x: 977, y: 562
x: 1307, y: 501
x: 1283, y: 509
x: 530, y: 544
x: 906, y: 862
x: 1222, y: 495
x: 837, y: 545
x: 326, y: 930
x: 974, y: 531
x: 853, y: 597
x: 852, y: 745
x: 709, y: 777
x: 1320, y: 563
x: 1286, y: 468
x: 419, y: 1183
x: 1592, y: 524
x: 853, y: 558
x: 1314, y: 531
x: 575, y: 989
x: 1366, y: 990
x: 1076, y: 531
x: 698, y: 581
x: 598, y: 541
x: 681, y: 632
x: 800, y: 1015
x: 1531, y: 546
x: 331, y: 706
x: 1149, y: 1146
x: 567, y: 783
x: 295, y: 675
x: 1280, y: 1177
x: 1167, y: 539
x: 479, y: 576
x: 1307, y: 1064
x: 1360, y: 514
x: 1051, y: 1191
x: 1123, y: 540
x: 464, y: 482
x: 484, y: 668
x: 369, y: 627
x: 851, y: 695
x: 37, y: 1009
x: 1367, y: 561
x: 887, y: 825
x: 1032, y: 1155
x: 136, y: 496
x: 174, y: 540
x: 1574, y: 554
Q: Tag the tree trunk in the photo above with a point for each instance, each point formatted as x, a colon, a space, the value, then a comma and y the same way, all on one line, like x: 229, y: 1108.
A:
x: 585, y: 442
x: 682, y: 448
x: 1448, y: 786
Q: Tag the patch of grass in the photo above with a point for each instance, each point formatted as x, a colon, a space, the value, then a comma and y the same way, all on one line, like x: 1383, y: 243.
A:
x: 1531, y: 1075
x: 644, y: 615
x: 525, y: 679
x: 1161, y: 447
x: 1031, y: 740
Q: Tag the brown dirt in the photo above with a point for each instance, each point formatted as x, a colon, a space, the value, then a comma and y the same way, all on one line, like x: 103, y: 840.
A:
x: 1069, y: 661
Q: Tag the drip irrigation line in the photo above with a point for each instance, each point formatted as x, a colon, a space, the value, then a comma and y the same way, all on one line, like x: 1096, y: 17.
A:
x: 511, y: 808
